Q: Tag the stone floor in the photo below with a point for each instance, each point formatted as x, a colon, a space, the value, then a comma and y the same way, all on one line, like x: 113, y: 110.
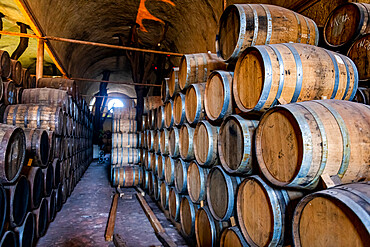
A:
x: 83, y: 218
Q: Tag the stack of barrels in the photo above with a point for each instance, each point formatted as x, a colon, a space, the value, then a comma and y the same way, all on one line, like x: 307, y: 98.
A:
x: 125, y: 154
x: 247, y: 141
x: 46, y: 140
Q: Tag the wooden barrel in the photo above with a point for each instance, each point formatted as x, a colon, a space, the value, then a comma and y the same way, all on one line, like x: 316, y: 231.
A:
x: 16, y: 74
x: 362, y: 96
x: 359, y: 53
x: 173, y: 140
x: 145, y: 180
x: 262, y: 212
x: 156, y: 188
x: 35, y: 180
x: 124, y: 156
x: 181, y: 176
x: 218, y: 102
x: 5, y: 68
x: 186, y: 142
x: 160, y: 117
x: 205, y: 143
x: 165, y: 95
x: 164, y: 142
x: 46, y: 96
x: 188, y: 211
x: 293, y: 151
x: 265, y: 84
x: 144, y: 122
x: 236, y: 144
x: 168, y: 114
x: 160, y: 164
x: 341, y: 215
x: 51, y: 201
x: 151, y: 102
x: 173, y: 82
x: 156, y: 146
x: 174, y: 200
x: 52, y: 145
x: 58, y: 175
x: 19, y: 92
x: 35, y: 116
x: 59, y: 196
x: 41, y: 216
x: 37, y: 146
x: 48, y: 173
x: 207, y: 229
x: 58, y: 83
x: 9, y: 239
x: 127, y: 176
x: 9, y: 92
x: 26, y: 231
x: 150, y: 183
x: 165, y: 190
x: 194, y: 103
x: 18, y: 199
x: 150, y: 164
x: 179, y: 109
x: 221, y: 193
x: 13, y: 144
x: 151, y: 134
x: 197, y: 180
x: 195, y: 68
x: 232, y: 237
x: 346, y: 23
x: 26, y: 79
x: 245, y: 25
x: 169, y: 170
x: 152, y: 114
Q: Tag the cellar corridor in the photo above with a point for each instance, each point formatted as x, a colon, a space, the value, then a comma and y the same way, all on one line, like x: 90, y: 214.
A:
x: 83, y: 218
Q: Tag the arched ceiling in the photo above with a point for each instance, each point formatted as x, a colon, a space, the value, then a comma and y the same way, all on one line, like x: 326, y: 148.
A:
x: 190, y: 27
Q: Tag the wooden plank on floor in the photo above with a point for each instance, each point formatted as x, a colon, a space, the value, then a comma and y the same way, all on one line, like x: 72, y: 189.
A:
x: 118, y: 241
x: 112, y: 219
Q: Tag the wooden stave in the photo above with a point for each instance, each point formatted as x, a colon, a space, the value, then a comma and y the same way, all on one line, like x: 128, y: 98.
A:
x: 189, y: 155
x: 199, y: 91
x: 203, y: 174
x: 181, y: 188
x: 193, y: 210
x: 173, y: 86
x: 227, y: 107
x: 51, y: 97
x: 164, y: 142
x: 169, y: 171
x: 58, y: 83
x: 267, y: 100
x: 232, y: 183
x: 174, y: 135
x: 177, y: 198
x: 362, y: 28
x: 243, y: 43
x: 311, y: 179
x: 5, y: 67
x: 179, y: 99
x: 237, y: 232
x: 216, y: 227
x: 345, y: 195
x: 248, y: 127
x: 212, y: 154
x: 168, y: 120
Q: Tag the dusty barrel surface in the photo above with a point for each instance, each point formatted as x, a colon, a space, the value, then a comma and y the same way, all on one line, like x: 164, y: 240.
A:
x: 262, y: 212
x: 18, y: 93
x: 232, y: 237
x: 236, y: 144
x: 195, y: 68
x: 221, y: 193
x: 194, y: 103
x: 337, y: 210
x: 168, y: 114
x: 288, y: 73
x: 9, y: 92
x: 179, y: 109
x: 173, y: 140
x: 218, y: 101
x: 35, y: 179
x: 165, y: 191
x: 188, y: 211
x: 359, y: 53
x: 173, y: 82
x: 245, y: 25
x: 18, y: 199
x: 197, y: 180
x: 26, y: 231
x: 174, y: 200
x: 5, y: 68
x: 41, y: 216
x: 186, y: 142
x: 346, y: 23
x: 296, y: 143
x: 37, y: 146
x: 181, y: 176
x: 58, y: 83
x: 35, y: 116
x: 205, y: 143
x: 127, y: 176
x: 49, y: 96
x: 207, y: 229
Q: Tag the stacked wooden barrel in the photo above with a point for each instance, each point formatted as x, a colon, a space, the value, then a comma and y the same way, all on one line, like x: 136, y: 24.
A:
x: 238, y: 150
x: 46, y: 136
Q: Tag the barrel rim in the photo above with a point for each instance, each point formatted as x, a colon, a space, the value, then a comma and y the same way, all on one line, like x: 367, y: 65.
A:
x: 180, y: 121
x: 211, y: 223
x: 199, y: 103
x: 184, y: 168
x: 177, y: 203
x: 236, y: 231
x: 192, y: 207
x: 202, y: 182
x: 4, y: 206
x: 209, y: 128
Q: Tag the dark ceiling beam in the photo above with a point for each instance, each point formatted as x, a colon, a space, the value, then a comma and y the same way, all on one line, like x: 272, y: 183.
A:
x: 116, y: 82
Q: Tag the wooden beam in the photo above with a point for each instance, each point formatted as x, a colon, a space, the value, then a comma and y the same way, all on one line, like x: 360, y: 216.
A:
x: 40, y: 59
x: 115, y: 82
x: 112, y: 219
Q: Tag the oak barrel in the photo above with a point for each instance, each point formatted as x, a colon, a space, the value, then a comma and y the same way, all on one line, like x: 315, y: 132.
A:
x: 35, y: 179
x: 46, y: 96
x: 362, y: 96
x: 160, y: 164
x: 338, y: 216
x: 179, y: 109
x: 346, y: 23
x: 5, y: 67
x: 18, y: 93
x: 286, y: 73
x: 16, y: 74
x: 181, y: 176
x: 232, y: 237
x: 127, y: 176
x: 173, y: 140
x: 41, y: 216
x: 186, y: 142
x: 156, y: 144
x: 359, y: 53
x: 205, y: 143
x: 207, y: 229
x: 197, y: 180
x: 156, y: 188
x: 169, y: 170
x: 296, y: 143
x: 164, y: 142
x: 51, y: 201
x: 160, y: 117
x: 194, y: 103
x: 168, y: 114
x: 58, y: 83
x: 188, y: 211
x: 26, y: 78
x: 195, y: 68
x: 151, y: 102
x: 221, y: 193
x: 173, y: 82
x: 26, y: 232
x: 48, y: 174
x: 174, y: 200
x: 9, y: 92
x: 236, y: 144
x: 218, y: 101
x: 165, y: 190
x: 9, y: 239
x: 245, y: 25
x: 37, y: 146
x: 165, y: 94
